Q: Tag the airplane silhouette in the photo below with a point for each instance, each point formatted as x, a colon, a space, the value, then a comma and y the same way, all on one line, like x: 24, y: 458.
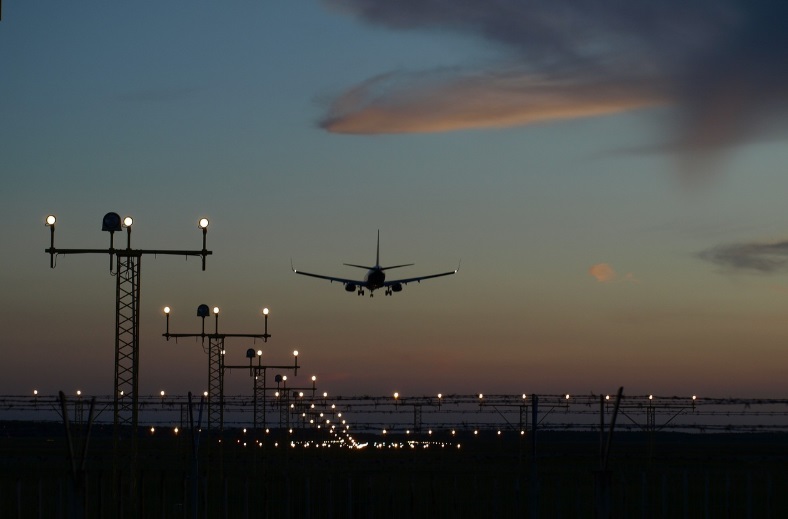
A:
x: 375, y: 278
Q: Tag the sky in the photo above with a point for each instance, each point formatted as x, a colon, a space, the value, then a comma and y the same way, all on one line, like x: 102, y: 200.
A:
x: 611, y: 176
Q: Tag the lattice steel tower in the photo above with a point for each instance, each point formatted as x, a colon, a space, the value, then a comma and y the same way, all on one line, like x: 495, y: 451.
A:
x: 126, y: 264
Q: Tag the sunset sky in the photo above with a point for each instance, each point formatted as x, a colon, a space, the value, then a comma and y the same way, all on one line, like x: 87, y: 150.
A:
x: 611, y: 175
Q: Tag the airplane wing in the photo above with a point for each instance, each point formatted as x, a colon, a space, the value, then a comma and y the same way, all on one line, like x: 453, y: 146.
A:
x: 330, y: 278
x: 409, y: 280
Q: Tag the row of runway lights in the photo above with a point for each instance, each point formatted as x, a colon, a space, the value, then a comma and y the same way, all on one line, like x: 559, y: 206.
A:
x: 396, y: 395
x: 567, y: 396
x: 162, y: 393
x: 350, y: 442
x: 347, y: 441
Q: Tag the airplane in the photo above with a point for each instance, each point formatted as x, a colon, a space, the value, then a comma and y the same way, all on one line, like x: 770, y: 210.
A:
x: 375, y: 278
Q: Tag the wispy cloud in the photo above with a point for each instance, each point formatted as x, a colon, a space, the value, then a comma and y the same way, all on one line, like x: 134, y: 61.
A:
x: 439, y: 101
x: 756, y: 257
x: 722, y: 63
x: 604, y: 273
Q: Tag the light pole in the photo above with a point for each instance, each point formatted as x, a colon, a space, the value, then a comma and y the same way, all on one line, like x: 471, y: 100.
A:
x: 126, y: 263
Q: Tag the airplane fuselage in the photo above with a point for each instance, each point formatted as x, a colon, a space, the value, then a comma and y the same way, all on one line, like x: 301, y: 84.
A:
x: 374, y: 279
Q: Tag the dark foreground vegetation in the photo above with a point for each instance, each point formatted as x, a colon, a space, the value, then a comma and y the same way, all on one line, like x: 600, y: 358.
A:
x: 649, y: 475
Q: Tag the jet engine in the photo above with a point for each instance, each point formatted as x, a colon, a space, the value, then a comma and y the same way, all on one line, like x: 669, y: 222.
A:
x: 396, y: 287
x: 350, y: 287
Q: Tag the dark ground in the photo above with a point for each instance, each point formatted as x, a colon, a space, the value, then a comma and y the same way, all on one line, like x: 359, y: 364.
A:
x: 649, y: 475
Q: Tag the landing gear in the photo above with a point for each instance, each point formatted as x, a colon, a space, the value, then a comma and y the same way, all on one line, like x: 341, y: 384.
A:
x: 388, y: 291
x: 360, y: 292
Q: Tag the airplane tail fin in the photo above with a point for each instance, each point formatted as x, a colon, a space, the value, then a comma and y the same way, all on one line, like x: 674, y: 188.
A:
x: 377, y: 259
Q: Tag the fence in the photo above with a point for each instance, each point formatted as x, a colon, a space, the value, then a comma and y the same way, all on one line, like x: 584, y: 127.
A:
x: 505, y: 413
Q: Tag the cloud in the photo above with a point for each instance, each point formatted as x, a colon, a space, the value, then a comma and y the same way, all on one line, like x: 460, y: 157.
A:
x: 723, y: 64
x: 602, y: 272
x: 757, y: 257
x: 438, y: 102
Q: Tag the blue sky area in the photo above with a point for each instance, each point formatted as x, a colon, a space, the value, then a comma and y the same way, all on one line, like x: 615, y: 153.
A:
x: 612, y: 180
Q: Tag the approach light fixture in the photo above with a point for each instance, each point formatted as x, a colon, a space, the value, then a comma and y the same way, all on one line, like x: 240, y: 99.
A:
x: 216, y: 310
x: 111, y: 223
x: 128, y: 221
x: 265, y: 311
x: 167, y: 316
x: 203, y: 223
x: 50, y: 222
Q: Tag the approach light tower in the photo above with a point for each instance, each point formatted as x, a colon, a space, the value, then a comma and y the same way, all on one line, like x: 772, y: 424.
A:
x: 216, y: 353
x: 259, y: 387
x: 126, y: 263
